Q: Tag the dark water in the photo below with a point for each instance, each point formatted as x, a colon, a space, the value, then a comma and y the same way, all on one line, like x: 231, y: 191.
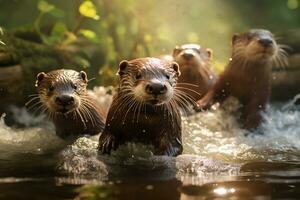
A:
x: 219, y: 162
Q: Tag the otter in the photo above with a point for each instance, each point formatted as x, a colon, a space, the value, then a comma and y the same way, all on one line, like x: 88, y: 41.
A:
x: 145, y: 107
x: 247, y: 77
x: 197, y: 73
x: 63, y: 95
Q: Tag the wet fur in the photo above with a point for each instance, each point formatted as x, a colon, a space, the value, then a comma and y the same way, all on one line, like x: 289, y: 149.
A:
x: 132, y: 119
x: 85, y: 116
x: 247, y: 77
x: 197, y: 73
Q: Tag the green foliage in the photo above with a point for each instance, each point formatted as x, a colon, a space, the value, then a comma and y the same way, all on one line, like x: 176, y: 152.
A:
x: 126, y: 29
x: 45, y: 7
x: 292, y: 4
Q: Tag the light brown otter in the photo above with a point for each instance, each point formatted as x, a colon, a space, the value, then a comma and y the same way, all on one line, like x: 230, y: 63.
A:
x: 63, y: 95
x: 248, y: 75
x: 197, y: 73
x: 145, y: 108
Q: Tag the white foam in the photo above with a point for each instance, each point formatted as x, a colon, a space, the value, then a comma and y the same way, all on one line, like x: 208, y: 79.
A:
x: 216, y: 134
x: 28, y: 140
x: 213, y: 144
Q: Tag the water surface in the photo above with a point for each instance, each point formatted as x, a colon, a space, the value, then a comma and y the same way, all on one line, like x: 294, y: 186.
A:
x: 220, y: 161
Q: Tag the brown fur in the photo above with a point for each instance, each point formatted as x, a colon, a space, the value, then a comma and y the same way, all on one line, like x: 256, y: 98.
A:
x: 143, y: 119
x: 197, y: 73
x: 248, y: 76
x: 84, y: 116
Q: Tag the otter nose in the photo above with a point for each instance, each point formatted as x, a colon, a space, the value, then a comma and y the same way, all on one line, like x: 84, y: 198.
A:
x: 64, y: 100
x: 188, y: 55
x: 265, y: 42
x: 156, y: 88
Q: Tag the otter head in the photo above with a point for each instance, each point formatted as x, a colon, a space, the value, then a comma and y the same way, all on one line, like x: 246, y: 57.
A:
x: 257, y: 44
x: 149, y: 80
x: 61, y: 90
x: 191, y: 55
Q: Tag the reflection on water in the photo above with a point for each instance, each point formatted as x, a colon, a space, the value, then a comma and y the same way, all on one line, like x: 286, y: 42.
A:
x: 220, y: 161
x: 228, y: 190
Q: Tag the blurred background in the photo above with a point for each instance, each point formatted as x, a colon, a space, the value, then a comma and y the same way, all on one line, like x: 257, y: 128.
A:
x: 95, y: 35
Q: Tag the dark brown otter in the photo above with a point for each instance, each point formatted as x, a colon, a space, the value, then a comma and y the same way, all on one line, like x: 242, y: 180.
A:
x: 197, y: 73
x: 145, y: 107
x: 63, y: 95
x: 247, y: 76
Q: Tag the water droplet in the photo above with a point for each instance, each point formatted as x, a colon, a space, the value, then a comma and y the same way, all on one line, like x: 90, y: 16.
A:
x: 149, y: 187
x: 110, y: 183
x: 144, y: 131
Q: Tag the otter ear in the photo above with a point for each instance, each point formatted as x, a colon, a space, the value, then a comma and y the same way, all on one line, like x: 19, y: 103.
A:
x: 39, y: 77
x: 176, y: 68
x: 123, y: 67
x: 83, y: 75
x: 210, y: 53
x: 176, y: 51
x: 234, y: 38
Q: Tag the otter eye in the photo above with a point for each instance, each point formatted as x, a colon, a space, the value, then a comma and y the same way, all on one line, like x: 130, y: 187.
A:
x: 51, y: 88
x: 167, y: 76
x: 74, y: 86
x: 138, y: 75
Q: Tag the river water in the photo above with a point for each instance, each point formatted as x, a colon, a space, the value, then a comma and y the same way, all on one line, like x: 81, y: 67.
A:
x: 220, y: 160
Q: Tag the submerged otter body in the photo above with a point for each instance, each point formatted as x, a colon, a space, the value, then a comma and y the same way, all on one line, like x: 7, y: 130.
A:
x: 248, y: 75
x: 197, y: 73
x: 145, y: 108
x: 63, y: 95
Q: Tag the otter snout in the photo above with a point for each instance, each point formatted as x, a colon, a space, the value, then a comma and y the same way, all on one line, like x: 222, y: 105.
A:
x: 64, y: 100
x: 265, y: 42
x: 188, y: 55
x: 156, y: 88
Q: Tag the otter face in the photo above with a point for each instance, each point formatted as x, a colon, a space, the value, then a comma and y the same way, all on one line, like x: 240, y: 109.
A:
x: 149, y: 80
x: 60, y: 90
x: 191, y: 55
x: 254, y: 45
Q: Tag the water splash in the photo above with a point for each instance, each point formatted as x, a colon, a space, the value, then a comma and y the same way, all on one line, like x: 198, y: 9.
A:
x: 216, y: 134
x: 213, y: 144
x: 28, y: 140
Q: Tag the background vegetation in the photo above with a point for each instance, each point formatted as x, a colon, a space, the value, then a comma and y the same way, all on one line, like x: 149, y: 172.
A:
x: 125, y: 29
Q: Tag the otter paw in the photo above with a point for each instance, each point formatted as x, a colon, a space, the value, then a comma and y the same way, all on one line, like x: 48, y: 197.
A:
x: 107, y: 144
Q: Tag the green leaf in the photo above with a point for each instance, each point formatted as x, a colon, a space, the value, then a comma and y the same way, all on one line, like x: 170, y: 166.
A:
x: 58, y: 32
x: 81, y: 61
x: 59, y: 29
x: 45, y: 7
x: 88, y: 9
x: 89, y: 34
x: 70, y: 38
x: 58, y: 13
x: 57, y: 35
